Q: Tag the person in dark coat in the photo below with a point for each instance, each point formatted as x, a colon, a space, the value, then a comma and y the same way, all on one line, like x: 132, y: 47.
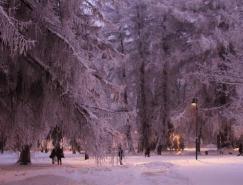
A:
x: 59, y: 154
x: 120, y: 154
x: 240, y: 149
x: 53, y: 155
x: 86, y: 156
x: 219, y: 143
x: 147, y: 152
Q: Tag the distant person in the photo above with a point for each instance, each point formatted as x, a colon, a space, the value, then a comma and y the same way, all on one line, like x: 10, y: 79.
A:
x: 86, y: 156
x: 120, y: 154
x: 181, y: 144
x: 240, y: 149
x: 147, y: 152
x: 159, y: 150
x: 53, y: 155
x: 59, y: 154
x: 219, y: 143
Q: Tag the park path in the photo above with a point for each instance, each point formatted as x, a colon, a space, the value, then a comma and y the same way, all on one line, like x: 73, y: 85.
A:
x: 156, y: 170
x: 44, y: 180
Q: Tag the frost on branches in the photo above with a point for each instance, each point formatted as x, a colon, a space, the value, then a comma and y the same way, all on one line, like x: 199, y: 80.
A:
x: 55, y: 71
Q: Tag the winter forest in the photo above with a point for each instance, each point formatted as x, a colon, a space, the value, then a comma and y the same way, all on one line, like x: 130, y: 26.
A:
x: 144, y: 75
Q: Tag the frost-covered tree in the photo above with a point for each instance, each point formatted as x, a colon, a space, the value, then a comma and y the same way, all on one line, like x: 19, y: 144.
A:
x: 63, y: 80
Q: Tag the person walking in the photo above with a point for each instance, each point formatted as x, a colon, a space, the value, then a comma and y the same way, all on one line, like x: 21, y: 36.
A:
x: 59, y: 154
x: 120, y: 154
x: 240, y: 149
x: 53, y: 155
x: 86, y: 156
x: 147, y: 152
x: 219, y: 143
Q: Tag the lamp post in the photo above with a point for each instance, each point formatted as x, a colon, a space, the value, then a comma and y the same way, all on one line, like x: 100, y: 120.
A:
x: 195, y: 104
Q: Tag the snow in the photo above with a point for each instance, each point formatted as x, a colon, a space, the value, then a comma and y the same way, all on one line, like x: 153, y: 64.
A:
x: 137, y: 170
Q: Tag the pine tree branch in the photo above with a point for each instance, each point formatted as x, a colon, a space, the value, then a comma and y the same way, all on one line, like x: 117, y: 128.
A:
x: 11, y: 36
x: 84, y: 108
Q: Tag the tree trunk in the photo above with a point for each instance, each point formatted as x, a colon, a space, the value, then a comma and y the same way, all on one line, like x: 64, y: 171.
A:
x: 2, y: 143
x: 129, y: 139
x: 164, y: 111
x: 1, y: 147
x: 24, y: 157
x: 145, y: 127
x: 142, y: 109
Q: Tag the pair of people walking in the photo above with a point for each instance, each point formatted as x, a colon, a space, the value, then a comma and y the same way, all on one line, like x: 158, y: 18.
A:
x: 57, y: 152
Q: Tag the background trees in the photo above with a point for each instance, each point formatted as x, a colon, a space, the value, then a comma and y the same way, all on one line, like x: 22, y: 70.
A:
x: 176, y: 51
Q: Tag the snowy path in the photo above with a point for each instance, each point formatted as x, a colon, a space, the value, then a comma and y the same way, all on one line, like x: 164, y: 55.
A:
x: 156, y: 170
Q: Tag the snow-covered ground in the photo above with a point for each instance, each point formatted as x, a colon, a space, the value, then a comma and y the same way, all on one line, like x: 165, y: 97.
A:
x: 137, y: 170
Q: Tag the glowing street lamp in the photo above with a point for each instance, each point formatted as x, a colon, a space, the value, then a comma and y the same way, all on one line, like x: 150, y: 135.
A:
x: 195, y: 104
